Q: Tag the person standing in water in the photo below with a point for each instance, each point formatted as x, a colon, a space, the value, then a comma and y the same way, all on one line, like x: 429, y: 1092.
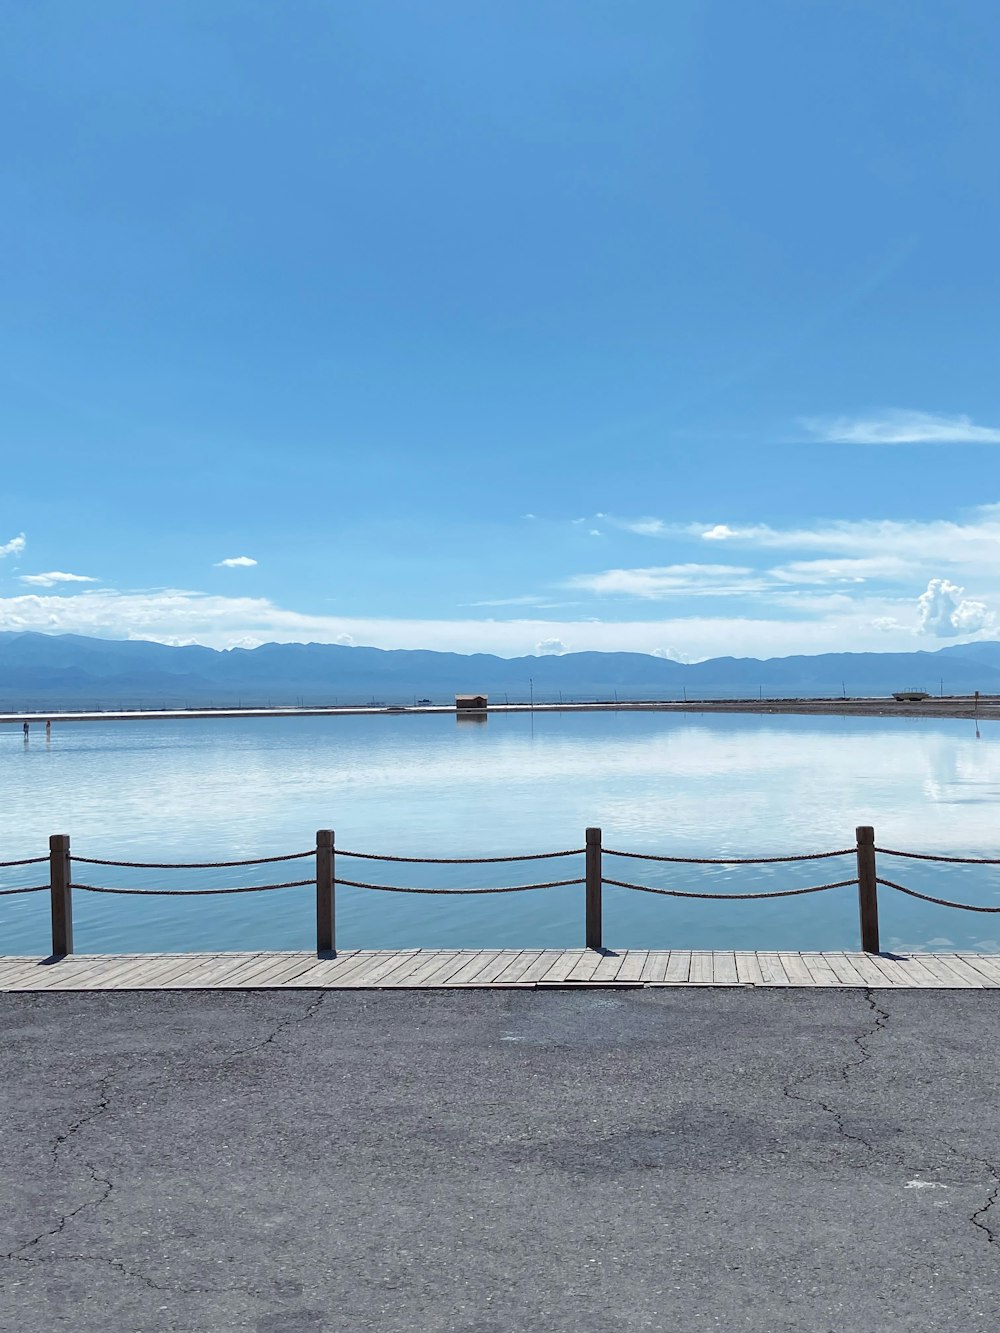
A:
x: 26, y: 731
x: 48, y: 728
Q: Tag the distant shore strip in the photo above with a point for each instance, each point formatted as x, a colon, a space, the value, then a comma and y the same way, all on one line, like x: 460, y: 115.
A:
x: 949, y: 706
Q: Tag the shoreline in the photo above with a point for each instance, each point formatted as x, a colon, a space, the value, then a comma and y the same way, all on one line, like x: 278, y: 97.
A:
x: 956, y: 706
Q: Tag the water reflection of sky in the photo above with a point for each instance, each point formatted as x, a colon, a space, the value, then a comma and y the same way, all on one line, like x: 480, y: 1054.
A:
x: 691, y: 785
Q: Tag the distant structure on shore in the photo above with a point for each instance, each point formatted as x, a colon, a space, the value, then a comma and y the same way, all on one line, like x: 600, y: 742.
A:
x: 471, y: 703
x: 910, y: 696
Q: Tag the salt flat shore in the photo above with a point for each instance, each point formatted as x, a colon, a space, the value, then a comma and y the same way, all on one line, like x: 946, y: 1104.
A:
x: 986, y: 707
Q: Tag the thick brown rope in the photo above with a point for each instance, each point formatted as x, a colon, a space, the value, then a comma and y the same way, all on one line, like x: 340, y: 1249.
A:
x: 940, y: 902
x: 954, y: 860
x: 191, y: 865
x: 459, y: 860
x: 191, y: 893
x: 728, y: 860
x: 27, y: 861
x: 733, y: 897
x: 509, y: 888
x: 35, y: 888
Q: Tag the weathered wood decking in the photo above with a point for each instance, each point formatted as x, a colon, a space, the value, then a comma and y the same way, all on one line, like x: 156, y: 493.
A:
x: 430, y: 969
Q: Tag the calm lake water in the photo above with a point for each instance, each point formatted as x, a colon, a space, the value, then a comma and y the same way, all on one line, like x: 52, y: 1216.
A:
x: 428, y: 785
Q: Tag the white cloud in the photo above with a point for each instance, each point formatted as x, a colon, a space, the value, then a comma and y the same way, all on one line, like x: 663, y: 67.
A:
x: 236, y: 562
x: 346, y: 640
x: 659, y: 581
x: 944, y: 611
x: 718, y: 534
x: 54, y: 577
x: 551, y: 648
x: 595, y: 532
x: 646, y: 527
x: 901, y: 427
x: 14, y: 547
x: 845, y: 570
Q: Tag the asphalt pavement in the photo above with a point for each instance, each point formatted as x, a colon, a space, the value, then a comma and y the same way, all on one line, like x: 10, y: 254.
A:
x: 495, y: 1161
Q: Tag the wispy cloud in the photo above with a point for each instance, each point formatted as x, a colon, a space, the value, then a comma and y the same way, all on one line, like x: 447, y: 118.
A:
x: 896, y: 426
x: 661, y: 581
x: 54, y: 577
x: 236, y: 562
x: 14, y: 547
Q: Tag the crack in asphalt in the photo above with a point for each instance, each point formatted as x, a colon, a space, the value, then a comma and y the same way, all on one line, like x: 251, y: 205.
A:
x: 102, y: 1104
x: 311, y: 1008
x: 19, y: 1253
x: 881, y: 1019
x: 844, y: 1070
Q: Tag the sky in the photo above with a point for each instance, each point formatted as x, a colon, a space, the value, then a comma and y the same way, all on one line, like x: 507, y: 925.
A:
x: 521, y: 328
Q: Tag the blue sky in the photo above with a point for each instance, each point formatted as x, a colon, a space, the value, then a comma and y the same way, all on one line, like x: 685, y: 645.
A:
x: 507, y: 327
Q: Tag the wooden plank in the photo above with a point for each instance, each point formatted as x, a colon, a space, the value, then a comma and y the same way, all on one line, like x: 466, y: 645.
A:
x: 795, y: 969
x: 890, y: 968
x: 271, y: 971
x: 724, y: 969
x: 843, y: 969
x: 13, y: 966
x: 959, y: 964
x: 820, y: 970
x: 477, y: 961
x: 655, y: 967
x: 540, y: 966
x: 701, y: 968
x: 631, y: 968
x: 331, y: 973
x: 512, y: 974
x: 442, y: 975
x: 71, y: 973
x: 587, y: 965
x: 917, y: 974
x: 143, y: 974
x: 561, y: 968
x: 610, y: 965
x: 20, y: 969
x: 866, y: 966
x: 379, y: 968
x: 678, y: 968
x: 427, y: 961
x: 987, y: 965
x: 748, y: 969
x: 772, y: 969
x: 209, y: 975
x: 491, y: 972
x: 952, y: 971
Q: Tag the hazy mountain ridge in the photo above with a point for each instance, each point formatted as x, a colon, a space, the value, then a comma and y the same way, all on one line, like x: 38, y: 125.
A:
x: 76, y: 671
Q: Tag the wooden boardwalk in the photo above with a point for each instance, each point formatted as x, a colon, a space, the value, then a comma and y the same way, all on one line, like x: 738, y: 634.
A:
x: 433, y: 969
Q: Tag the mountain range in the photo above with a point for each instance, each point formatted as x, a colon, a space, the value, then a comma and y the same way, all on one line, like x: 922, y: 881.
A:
x: 43, y: 671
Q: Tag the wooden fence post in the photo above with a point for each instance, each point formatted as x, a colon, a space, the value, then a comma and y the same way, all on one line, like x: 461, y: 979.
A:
x: 867, y: 888
x: 326, y: 907
x: 62, y: 895
x: 595, y: 880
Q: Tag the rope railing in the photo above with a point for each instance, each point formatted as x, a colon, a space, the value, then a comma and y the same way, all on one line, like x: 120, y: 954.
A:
x: 939, y: 902
x: 191, y: 893
x: 951, y: 860
x: 459, y: 860
x: 730, y: 897
x: 505, y: 888
x: 192, y: 865
x: 325, y: 881
x: 729, y: 860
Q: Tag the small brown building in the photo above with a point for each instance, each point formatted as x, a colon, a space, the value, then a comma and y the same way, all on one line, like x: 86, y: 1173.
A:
x: 470, y: 703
